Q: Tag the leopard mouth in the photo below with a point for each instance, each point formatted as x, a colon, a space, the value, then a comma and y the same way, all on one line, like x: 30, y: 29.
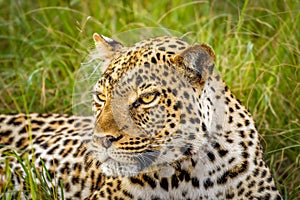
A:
x: 116, y: 160
x: 142, y: 160
x: 138, y: 163
x: 125, y: 163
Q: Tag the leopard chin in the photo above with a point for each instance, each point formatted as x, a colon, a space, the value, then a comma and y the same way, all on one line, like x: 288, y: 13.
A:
x: 114, y: 168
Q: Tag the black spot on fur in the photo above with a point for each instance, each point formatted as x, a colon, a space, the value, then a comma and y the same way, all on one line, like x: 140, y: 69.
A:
x: 164, y: 184
x: 174, y: 181
x: 136, y: 181
x: 211, y: 156
x: 149, y: 180
x: 208, y: 183
x: 195, y: 182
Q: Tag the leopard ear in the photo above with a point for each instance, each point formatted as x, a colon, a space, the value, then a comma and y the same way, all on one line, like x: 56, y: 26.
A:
x: 105, y: 49
x: 196, y: 63
x: 106, y: 43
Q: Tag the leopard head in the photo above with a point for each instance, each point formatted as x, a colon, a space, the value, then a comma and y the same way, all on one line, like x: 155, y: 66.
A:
x: 145, y: 104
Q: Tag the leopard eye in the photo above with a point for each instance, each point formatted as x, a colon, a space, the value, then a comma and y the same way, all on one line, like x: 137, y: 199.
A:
x: 148, y: 98
x: 101, y: 97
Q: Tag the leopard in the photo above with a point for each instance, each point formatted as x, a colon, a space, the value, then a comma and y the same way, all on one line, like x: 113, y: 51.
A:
x: 164, y: 126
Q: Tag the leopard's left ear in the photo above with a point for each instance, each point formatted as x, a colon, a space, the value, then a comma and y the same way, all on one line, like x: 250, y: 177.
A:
x: 104, y: 50
x: 196, y: 63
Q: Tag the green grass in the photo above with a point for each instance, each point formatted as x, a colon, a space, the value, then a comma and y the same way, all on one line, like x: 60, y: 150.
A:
x: 32, y: 189
x: 257, y: 45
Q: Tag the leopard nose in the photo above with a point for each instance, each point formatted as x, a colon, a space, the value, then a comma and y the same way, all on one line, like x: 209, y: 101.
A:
x: 105, y: 141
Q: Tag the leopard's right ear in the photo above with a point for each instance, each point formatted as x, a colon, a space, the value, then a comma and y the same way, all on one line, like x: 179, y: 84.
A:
x: 104, y: 50
x: 105, y: 43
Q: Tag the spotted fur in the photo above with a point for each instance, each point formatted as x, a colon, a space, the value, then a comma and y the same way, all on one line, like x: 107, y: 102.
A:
x: 165, y: 126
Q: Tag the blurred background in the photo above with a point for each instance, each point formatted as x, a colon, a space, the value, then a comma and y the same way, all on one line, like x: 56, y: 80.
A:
x: 257, y: 43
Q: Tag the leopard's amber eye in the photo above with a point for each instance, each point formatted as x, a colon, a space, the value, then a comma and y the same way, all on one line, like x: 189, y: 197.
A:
x: 148, y: 98
x: 101, y: 97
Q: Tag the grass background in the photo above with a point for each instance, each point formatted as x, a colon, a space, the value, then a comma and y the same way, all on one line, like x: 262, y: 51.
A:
x: 257, y: 44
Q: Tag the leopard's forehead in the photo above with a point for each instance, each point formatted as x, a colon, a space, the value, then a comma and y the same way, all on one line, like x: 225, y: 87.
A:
x: 144, y: 54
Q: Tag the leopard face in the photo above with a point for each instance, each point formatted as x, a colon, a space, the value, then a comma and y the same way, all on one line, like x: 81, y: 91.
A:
x: 146, y: 108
